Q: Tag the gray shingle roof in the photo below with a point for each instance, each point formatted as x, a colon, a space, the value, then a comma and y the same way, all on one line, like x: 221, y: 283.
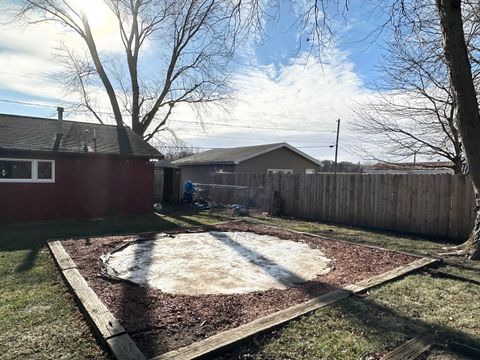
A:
x: 235, y: 155
x: 23, y: 133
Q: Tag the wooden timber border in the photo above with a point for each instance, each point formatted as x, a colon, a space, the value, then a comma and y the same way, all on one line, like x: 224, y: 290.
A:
x: 105, y: 325
x: 111, y: 333
x: 412, y: 349
x: 228, y: 338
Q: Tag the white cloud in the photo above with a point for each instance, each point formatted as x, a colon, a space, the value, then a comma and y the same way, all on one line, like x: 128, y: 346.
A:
x: 302, y: 96
x: 29, y: 58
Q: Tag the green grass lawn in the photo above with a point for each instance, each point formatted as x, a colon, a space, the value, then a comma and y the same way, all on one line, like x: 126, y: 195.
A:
x: 38, y: 317
x: 366, y: 327
x: 40, y: 320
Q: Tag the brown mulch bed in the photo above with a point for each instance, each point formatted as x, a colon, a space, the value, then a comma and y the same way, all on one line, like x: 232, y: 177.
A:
x: 160, y: 322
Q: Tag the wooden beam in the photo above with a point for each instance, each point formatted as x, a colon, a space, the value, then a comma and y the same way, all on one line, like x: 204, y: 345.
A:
x: 228, y: 338
x: 394, y: 274
x: 261, y: 222
x: 63, y: 260
x: 411, y: 349
x: 105, y: 325
x: 124, y: 348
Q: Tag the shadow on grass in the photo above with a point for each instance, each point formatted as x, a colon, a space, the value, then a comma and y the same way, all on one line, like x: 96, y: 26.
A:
x: 400, y: 328
x: 139, y: 296
x: 32, y: 236
x: 456, y: 264
x: 378, y: 329
x: 29, y: 261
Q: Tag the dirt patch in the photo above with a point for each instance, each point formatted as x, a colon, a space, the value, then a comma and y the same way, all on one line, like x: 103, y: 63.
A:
x: 160, y: 322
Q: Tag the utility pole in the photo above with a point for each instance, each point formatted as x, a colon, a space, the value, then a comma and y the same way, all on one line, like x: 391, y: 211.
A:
x: 336, y: 147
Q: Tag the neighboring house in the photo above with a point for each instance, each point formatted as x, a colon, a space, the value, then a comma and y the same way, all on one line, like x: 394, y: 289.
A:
x: 52, y: 169
x: 438, y: 167
x: 266, y: 159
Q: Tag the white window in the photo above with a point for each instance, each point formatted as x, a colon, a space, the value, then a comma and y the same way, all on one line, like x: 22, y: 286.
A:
x: 279, y: 171
x: 27, y: 170
x: 309, y: 171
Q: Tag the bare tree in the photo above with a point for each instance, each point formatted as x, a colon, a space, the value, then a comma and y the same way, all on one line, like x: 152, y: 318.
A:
x: 194, y: 42
x: 415, y: 110
x: 173, y: 152
x: 459, y: 61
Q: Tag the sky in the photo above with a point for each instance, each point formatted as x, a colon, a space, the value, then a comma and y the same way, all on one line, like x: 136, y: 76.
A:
x: 284, y: 92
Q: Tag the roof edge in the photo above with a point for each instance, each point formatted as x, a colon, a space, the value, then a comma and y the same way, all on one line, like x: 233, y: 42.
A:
x: 276, y: 147
x: 190, y: 163
x: 21, y: 152
x: 64, y: 120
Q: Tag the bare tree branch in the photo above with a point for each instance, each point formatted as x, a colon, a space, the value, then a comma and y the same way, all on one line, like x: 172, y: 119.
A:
x: 194, y: 42
x: 417, y: 113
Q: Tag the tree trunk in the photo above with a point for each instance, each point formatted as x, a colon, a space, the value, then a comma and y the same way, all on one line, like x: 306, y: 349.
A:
x: 457, y: 165
x: 101, y: 72
x: 472, y: 246
x: 468, y: 115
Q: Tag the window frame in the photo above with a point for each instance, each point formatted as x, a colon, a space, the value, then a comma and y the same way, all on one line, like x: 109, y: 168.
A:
x: 310, y: 171
x: 34, y: 176
x: 280, y: 171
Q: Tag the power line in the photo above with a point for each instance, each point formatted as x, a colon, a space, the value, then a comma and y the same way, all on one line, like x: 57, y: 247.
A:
x: 181, y: 121
x: 27, y: 103
x: 255, y: 127
x: 316, y: 146
x: 217, y: 147
x: 248, y: 138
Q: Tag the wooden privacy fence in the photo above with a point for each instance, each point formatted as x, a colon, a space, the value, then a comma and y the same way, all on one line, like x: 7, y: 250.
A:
x: 439, y: 205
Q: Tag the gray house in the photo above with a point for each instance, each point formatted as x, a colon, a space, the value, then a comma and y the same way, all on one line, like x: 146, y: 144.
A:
x: 266, y: 159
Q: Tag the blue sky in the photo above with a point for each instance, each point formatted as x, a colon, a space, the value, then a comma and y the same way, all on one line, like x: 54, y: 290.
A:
x: 355, y: 38
x: 278, y: 85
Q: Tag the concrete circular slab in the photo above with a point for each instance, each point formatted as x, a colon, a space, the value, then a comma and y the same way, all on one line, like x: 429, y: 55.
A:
x: 216, y: 263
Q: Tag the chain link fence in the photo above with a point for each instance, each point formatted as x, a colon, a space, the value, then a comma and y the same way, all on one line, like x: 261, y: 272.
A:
x: 243, y: 199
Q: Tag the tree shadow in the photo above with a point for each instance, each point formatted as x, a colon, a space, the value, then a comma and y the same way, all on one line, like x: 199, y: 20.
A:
x: 33, y: 236
x: 365, y: 311
x: 29, y: 261
x: 287, y: 277
x: 374, y: 320
x: 133, y: 296
x: 458, y: 265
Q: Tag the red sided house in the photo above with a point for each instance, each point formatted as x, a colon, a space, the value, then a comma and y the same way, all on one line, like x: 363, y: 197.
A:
x: 51, y: 169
